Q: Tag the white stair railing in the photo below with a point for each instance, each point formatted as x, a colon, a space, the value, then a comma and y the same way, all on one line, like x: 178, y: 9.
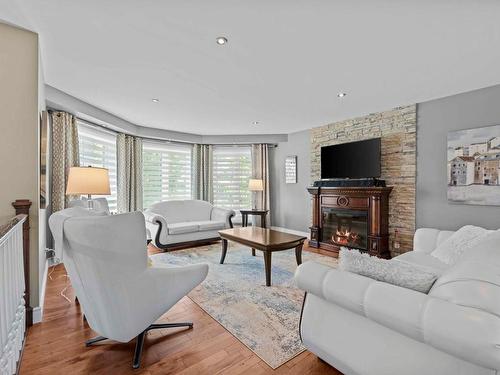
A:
x: 12, y: 288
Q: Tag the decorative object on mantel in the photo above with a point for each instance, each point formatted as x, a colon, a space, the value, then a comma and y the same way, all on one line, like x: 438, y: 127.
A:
x: 265, y: 319
x: 291, y: 170
x: 473, y: 172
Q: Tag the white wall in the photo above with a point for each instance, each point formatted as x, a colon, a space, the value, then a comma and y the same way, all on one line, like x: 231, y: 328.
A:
x: 435, y: 119
x: 291, y: 203
x: 19, y: 144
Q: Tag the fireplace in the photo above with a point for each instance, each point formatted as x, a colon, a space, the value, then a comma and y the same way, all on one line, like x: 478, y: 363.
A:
x: 345, y: 227
x: 354, y: 217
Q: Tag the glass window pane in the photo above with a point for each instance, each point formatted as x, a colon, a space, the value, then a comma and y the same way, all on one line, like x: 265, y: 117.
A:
x: 166, y: 172
x: 98, y: 149
x: 231, y: 171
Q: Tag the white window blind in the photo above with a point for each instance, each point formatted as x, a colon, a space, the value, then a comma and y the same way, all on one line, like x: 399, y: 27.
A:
x: 232, y: 169
x: 166, y: 172
x: 98, y: 149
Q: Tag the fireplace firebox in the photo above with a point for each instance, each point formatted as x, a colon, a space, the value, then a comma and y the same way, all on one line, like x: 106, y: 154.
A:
x: 344, y: 227
x: 354, y: 217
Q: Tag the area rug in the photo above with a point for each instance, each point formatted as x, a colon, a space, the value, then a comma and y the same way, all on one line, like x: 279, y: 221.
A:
x: 265, y: 319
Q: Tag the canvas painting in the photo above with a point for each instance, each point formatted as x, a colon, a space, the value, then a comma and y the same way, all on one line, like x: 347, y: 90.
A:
x: 474, y: 166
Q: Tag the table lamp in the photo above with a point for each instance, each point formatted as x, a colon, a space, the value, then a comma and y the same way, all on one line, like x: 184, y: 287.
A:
x: 255, y: 185
x: 88, y: 180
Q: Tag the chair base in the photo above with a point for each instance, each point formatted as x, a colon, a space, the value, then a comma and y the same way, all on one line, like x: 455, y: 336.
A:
x: 139, y: 344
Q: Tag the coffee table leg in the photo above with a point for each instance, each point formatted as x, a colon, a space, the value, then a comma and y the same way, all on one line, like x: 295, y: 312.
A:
x: 224, y: 251
x: 298, y: 254
x: 253, y: 252
x: 267, y: 265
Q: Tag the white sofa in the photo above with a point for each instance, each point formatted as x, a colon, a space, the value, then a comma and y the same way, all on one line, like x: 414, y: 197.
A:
x: 183, y: 222
x: 366, y: 327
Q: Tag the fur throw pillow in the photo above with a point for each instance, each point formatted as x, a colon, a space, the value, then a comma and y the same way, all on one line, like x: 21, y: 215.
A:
x: 403, y: 274
x: 464, y: 239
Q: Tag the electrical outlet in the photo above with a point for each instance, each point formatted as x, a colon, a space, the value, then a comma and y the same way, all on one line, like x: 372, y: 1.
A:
x: 49, y: 253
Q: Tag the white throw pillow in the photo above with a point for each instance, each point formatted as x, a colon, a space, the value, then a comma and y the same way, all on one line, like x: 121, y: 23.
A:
x: 464, y: 239
x: 394, y: 272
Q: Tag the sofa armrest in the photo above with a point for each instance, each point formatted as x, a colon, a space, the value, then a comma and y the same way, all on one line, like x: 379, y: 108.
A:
x: 464, y: 332
x: 221, y: 214
x: 154, y: 218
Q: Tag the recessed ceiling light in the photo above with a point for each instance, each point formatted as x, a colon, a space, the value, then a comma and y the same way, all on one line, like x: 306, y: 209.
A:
x: 155, y: 100
x: 341, y: 94
x: 221, y: 40
x: 255, y: 123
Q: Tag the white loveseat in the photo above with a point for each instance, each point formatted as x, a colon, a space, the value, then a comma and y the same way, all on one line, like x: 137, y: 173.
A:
x: 183, y: 222
x: 366, y: 327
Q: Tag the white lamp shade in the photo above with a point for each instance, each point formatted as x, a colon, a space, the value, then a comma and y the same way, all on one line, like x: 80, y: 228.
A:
x: 255, y: 185
x: 88, y: 180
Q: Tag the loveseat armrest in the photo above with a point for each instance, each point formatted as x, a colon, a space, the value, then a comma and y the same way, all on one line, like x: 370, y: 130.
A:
x: 222, y: 214
x: 154, y: 218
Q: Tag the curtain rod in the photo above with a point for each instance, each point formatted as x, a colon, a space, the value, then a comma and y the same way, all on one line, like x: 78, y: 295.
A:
x: 234, y: 144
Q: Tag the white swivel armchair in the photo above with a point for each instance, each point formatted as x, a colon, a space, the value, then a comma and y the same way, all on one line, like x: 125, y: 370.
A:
x: 121, y: 296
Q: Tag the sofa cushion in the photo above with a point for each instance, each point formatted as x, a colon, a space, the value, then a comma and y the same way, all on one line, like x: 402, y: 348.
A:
x: 406, y: 275
x: 460, y: 242
x: 422, y: 259
x: 475, y: 280
x: 179, y: 228
x: 183, y: 211
x: 211, y: 225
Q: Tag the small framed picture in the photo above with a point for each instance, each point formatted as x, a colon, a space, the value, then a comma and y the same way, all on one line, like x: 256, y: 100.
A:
x: 291, y: 169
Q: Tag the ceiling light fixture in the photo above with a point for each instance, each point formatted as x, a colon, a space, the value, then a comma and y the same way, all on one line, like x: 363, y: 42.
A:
x: 341, y: 94
x: 155, y: 100
x: 255, y: 123
x: 221, y: 40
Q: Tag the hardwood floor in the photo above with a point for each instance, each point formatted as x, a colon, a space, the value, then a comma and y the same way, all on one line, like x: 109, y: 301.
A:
x: 56, y: 345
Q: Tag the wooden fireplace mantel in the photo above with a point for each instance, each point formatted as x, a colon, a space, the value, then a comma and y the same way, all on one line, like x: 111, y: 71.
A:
x: 373, y: 200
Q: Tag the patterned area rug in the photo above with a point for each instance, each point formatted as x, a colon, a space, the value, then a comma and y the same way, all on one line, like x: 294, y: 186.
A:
x: 265, y: 319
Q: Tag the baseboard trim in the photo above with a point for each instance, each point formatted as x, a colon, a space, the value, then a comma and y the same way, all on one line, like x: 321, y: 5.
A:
x: 38, y: 311
x: 292, y: 231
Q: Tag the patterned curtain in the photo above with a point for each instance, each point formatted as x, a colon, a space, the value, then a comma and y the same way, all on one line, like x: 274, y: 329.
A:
x: 129, y: 173
x: 64, y: 155
x: 260, y: 170
x: 202, y: 172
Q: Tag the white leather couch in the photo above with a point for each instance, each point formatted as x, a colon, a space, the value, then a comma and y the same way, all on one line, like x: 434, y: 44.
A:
x: 366, y: 327
x: 182, y: 222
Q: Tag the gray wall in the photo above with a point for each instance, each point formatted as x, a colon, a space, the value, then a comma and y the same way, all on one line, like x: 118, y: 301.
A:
x: 434, y: 120
x: 291, y: 203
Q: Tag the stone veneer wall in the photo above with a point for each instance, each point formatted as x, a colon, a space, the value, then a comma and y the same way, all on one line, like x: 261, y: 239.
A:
x: 397, y: 129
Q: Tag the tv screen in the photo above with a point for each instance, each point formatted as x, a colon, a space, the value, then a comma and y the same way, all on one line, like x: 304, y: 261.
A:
x: 351, y: 160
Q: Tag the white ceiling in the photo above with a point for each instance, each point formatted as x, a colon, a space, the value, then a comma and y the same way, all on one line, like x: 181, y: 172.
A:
x: 284, y: 64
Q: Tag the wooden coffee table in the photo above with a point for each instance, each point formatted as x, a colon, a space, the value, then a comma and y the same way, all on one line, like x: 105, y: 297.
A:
x: 265, y: 240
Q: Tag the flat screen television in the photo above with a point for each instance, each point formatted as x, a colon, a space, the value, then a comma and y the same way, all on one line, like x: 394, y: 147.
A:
x: 351, y: 160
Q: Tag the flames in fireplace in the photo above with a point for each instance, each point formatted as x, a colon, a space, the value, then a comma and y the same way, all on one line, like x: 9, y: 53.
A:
x: 345, y: 237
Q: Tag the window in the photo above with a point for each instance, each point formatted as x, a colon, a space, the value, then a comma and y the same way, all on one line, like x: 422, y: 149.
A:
x: 232, y: 168
x: 98, y: 149
x: 166, y: 172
